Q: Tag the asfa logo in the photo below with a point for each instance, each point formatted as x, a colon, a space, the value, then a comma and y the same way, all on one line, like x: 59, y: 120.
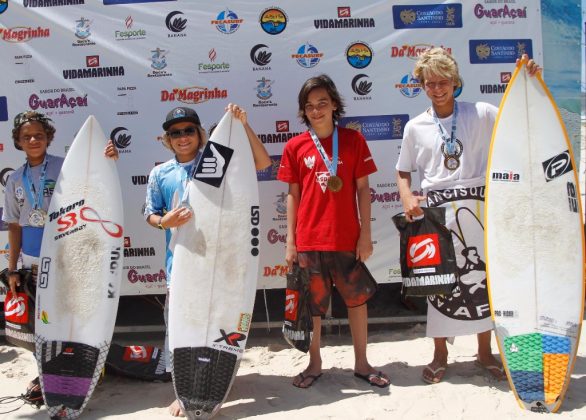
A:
x: 409, y: 86
x: 557, y: 166
x: 490, y: 51
x: 83, y: 32
x: 423, y: 250
x: 260, y: 56
x: 359, y: 55
x: 307, y: 56
x: 273, y: 21
x: 23, y: 33
x: 264, y: 93
x: 176, y: 24
x: 158, y: 63
x: 361, y: 86
x: 130, y: 33
x: 121, y: 139
x: 3, y: 6
x: 227, y: 22
x: 427, y: 16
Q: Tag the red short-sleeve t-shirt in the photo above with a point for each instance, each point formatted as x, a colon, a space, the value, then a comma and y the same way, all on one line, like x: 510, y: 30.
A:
x: 326, y: 220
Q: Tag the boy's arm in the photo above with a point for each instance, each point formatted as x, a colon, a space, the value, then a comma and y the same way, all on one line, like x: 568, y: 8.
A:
x: 364, y: 246
x: 293, y: 198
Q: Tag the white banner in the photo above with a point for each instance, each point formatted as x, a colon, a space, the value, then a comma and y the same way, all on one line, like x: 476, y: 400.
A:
x: 130, y: 62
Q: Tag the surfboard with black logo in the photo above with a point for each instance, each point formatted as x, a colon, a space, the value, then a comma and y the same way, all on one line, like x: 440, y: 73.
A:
x: 534, y: 244
x: 80, y: 268
x: 215, y: 267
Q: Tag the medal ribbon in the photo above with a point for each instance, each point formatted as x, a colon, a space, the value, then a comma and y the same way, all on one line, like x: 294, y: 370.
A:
x: 29, y: 186
x: 450, y: 142
x: 332, y: 165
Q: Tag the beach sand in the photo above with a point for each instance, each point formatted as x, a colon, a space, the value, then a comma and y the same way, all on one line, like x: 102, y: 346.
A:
x: 263, y: 390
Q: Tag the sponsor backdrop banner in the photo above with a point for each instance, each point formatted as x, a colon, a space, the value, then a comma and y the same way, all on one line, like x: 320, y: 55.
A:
x: 130, y: 62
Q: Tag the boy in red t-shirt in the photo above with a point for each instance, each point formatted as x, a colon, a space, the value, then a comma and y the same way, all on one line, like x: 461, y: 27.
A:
x: 327, y: 170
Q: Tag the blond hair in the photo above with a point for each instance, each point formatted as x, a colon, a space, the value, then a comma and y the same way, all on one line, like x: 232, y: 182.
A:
x: 437, y: 61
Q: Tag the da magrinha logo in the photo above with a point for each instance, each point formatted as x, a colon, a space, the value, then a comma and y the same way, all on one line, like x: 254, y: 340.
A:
x: 307, y: 56
x: 227, y: 22
x: 359, y: 55
x: 273, y: 20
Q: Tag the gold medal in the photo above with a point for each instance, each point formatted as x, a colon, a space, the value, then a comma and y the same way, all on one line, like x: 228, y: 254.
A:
x: 335, y: 183
x: 452, y: 162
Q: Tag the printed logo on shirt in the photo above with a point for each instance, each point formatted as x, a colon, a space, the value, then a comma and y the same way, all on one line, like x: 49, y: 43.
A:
x: 423, y: 250
x: 309, y: 162
x: 213, y: 164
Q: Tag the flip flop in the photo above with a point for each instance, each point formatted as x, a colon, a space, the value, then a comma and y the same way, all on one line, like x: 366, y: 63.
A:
x: 369, y: 378
x: 436, y: 374
x: 497, y: 372
x: 303, y: 377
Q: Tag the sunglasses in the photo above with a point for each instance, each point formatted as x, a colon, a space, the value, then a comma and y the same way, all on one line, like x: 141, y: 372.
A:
x: 176, y: 134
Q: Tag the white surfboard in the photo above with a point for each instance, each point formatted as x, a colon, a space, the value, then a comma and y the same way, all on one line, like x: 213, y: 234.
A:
x: 214, y: 275
x: 534, y: 244
x: 79, y: 274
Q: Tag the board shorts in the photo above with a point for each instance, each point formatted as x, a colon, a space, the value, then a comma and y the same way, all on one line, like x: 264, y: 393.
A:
x: 340, y: 269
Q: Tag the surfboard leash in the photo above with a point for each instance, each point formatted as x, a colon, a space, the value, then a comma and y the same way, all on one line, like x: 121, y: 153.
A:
x: 33, y: 396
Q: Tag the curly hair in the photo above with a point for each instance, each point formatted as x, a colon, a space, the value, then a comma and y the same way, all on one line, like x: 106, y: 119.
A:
x: 321, y: 81
x: 439, y: 62
x: 32, y: 116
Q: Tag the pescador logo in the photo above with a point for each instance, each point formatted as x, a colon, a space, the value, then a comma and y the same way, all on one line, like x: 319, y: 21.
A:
x: 121, y: 138
x: 260, y: 57
x: 176, y: 23
x: 427, y: 16
x: 227, y: 22
x: 413, y: 51
x: 423, y: 250
x: 23, y: 33
x: 490, y: 51
x: 344, y: 21
x: 273, y: 20
x: 93, y: 70
x: 193, y: 94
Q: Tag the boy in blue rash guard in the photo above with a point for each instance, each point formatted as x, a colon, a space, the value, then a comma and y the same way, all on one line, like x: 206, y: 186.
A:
x: 185, y: 137
x: 29, y: 189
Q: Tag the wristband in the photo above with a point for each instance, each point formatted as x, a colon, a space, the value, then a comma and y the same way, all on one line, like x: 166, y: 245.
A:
x: 160, y: 224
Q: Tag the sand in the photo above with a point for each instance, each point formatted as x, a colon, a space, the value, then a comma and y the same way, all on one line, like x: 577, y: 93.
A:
x: 263, y: 390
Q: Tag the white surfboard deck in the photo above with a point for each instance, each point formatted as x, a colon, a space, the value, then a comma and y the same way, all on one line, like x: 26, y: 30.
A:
x: 534, y: 244
x: 79, y: 273
x: 214, y: 274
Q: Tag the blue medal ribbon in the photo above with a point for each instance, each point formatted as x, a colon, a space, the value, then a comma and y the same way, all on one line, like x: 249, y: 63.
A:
x: 450, y: 142
x: 332, y: 165
x: 29, y: 187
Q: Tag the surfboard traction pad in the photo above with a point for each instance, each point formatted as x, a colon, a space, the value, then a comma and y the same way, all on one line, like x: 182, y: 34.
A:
x: 538, y: 365
x: 203, y: 380
x: 70, y: 373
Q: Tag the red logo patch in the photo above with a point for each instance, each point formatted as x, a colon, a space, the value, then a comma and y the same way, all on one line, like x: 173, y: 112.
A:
x: 291, y: 303
x: 344, y: 12
x: 127, y: 242
x: 16, y: 308
x: 140, y: 354
x: 423, y: 251
x: 92, y: 61
x: 282, y: 126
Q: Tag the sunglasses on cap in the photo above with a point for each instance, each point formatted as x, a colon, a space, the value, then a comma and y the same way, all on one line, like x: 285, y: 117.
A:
x: 175, y: 134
